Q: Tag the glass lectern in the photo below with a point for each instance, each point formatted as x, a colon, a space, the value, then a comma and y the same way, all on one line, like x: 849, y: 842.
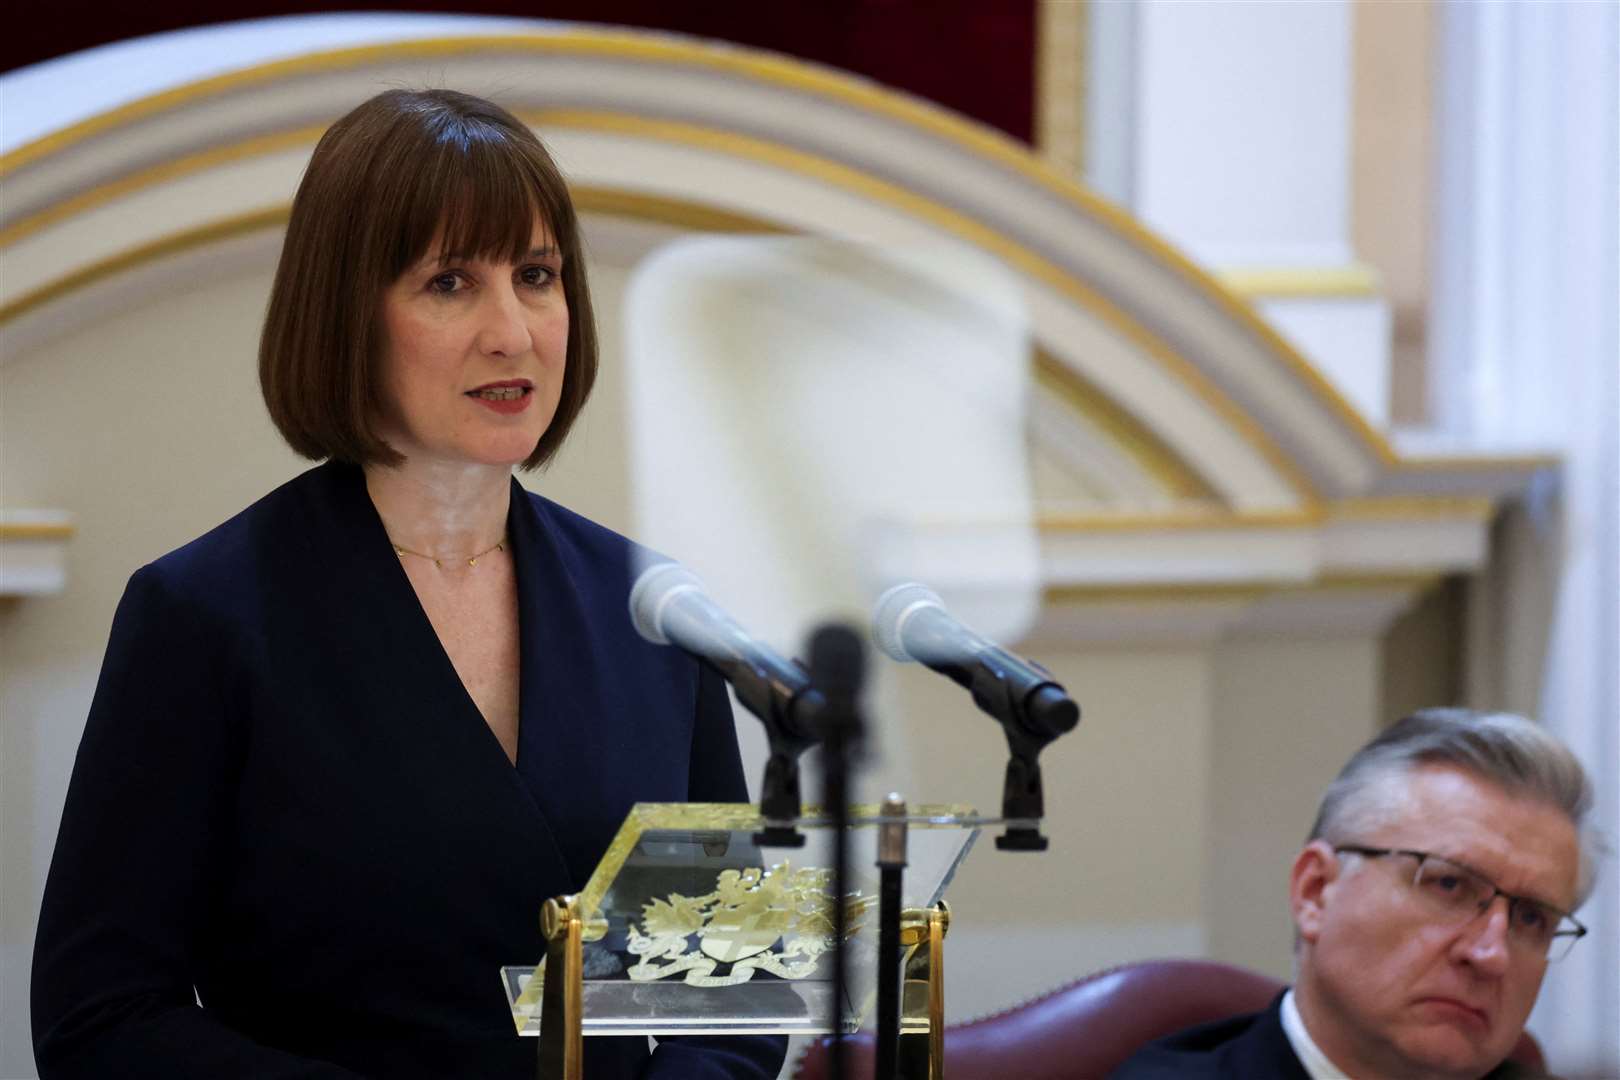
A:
x: 689, y: 926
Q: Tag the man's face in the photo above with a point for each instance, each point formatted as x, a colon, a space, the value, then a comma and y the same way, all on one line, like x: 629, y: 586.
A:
x: 1385, y: 988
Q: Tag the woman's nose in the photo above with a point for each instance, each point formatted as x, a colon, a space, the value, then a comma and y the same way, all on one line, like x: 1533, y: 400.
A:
x: 503, y: 330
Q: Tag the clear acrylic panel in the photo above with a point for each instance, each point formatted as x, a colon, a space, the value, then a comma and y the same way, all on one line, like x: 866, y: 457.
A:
x: 691, y: 926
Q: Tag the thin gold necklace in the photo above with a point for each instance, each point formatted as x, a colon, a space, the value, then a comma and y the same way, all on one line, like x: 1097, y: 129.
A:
x: 472, y: 560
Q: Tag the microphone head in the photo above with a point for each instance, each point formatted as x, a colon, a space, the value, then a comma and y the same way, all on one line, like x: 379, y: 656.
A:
x: 651, y: 594
x: 837, y: 662
x: 893, y: 608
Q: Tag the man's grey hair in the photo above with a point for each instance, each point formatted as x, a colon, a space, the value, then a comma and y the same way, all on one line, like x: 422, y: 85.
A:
x: 1517, y: 755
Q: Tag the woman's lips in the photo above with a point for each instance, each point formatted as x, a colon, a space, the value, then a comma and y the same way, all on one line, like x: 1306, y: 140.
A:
x: 507, y: 398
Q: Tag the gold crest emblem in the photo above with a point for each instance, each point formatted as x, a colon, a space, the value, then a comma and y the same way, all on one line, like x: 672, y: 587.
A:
x: 777, y: 920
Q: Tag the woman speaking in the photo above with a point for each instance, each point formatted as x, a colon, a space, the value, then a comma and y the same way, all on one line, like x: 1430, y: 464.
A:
x: 344, y: 746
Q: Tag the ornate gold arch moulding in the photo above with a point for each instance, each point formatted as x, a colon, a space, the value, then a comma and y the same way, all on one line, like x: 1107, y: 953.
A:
x: 1182, y: 478
x: 767, y: 70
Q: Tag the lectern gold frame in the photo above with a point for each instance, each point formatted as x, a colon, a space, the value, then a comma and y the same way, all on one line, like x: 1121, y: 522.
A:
x: 688, y: 927
x: 922, y: 1035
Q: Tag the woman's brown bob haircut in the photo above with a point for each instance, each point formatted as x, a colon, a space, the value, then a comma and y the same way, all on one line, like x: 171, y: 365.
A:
x: 401, y: 170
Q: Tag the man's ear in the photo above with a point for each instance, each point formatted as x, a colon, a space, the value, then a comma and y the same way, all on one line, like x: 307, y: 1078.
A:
x: 1316, y: 868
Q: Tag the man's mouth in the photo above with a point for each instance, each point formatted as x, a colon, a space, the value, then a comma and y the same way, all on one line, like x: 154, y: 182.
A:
x: 1461, y: 1009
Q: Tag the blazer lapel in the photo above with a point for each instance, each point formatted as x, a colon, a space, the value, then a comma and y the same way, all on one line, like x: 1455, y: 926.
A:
x: 387, y: 649
x: 564, y: 746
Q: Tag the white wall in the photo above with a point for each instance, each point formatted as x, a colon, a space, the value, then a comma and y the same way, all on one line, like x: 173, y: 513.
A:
x: 147, y: 426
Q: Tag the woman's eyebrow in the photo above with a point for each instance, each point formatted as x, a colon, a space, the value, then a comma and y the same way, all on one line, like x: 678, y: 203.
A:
x: 445, y: 258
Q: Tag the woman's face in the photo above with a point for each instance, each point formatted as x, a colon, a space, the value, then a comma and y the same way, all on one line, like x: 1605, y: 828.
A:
x: 475, y: 355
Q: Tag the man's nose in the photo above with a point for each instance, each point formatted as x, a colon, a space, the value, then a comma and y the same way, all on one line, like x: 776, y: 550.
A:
x: 503, y: 331
x: 1484, y: 943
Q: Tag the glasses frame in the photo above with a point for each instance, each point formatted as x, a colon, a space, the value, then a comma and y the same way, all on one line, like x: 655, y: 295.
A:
x: 1573, y: 935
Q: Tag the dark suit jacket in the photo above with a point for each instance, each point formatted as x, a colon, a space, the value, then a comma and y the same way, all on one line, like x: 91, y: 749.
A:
x: 286, y: 799
x: 1249, y: 1047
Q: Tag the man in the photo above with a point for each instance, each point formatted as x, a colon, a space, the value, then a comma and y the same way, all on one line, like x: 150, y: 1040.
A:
x: 1435, y: 887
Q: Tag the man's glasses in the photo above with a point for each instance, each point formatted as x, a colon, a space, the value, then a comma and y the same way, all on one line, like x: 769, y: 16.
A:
x: 1456, y: 894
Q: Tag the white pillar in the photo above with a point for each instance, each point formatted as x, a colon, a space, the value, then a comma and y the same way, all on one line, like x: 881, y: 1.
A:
x: 1243, y: 138
x: 1526, y: 349
x: 1225, y: 126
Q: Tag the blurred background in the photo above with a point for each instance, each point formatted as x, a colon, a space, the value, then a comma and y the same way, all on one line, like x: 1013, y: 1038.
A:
x: 1293, y: 337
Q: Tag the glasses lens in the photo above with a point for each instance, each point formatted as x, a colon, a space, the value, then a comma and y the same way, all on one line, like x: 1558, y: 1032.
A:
x: 1563, y: 941
x: 1451, y: 889
x: 1456, y: 892
x: 1534, y: 923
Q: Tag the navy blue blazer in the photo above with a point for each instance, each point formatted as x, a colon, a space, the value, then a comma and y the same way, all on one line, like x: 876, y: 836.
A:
x: 1253, y: 1046
x: 286, y: 799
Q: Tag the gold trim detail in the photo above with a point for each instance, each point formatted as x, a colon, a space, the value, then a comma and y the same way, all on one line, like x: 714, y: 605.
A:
x: 1060, y: 84
x: 1464, y: 463
x: 1355, y: 280
x: 174, y: 169
x: 1181, y: 520
x: 213, y: 232
x: 562, y: 1014
x: 612, y: 202
x: 716, y: 817
x: 649, y: 48
x: 778, y: 71
x: 35, y: 531
x: 939, y: 921
x: 1413, y: 508
x: 1379, y: 508
x: 1232, y: 592
x: 1103, y: 412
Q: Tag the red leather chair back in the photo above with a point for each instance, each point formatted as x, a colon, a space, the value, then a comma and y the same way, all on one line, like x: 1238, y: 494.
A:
x: 1086, y: 1029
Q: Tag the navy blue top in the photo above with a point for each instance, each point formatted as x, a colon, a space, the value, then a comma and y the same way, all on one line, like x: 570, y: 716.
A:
x: 286, y: 800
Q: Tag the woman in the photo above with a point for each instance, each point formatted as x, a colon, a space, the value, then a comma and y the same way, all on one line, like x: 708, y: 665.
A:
x: 345, y: 745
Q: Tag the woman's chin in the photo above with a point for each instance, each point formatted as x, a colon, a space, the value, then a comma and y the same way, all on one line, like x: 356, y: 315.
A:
x: 505, y: 456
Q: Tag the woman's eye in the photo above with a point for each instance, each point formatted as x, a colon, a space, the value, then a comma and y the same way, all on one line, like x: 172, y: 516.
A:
x: 445, y: 283
x: 537, y: 276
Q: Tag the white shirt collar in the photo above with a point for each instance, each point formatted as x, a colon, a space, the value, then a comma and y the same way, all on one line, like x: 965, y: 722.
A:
x: 1316, y: 1063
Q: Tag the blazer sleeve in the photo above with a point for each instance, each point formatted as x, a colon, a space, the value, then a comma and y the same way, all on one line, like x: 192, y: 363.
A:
x: 144, y: 841
x: 716, y: 775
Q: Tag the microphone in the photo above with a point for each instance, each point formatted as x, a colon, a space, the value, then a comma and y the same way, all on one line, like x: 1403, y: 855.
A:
x: 669, y: 606
x: 911, y: 623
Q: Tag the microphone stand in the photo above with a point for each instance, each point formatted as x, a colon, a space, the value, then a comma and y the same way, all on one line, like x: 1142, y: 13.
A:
x: 1022, y: 696
x: 790, y: 720
x: 1030, y: 721
x: 891, y: 860
x: 837, y: 669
